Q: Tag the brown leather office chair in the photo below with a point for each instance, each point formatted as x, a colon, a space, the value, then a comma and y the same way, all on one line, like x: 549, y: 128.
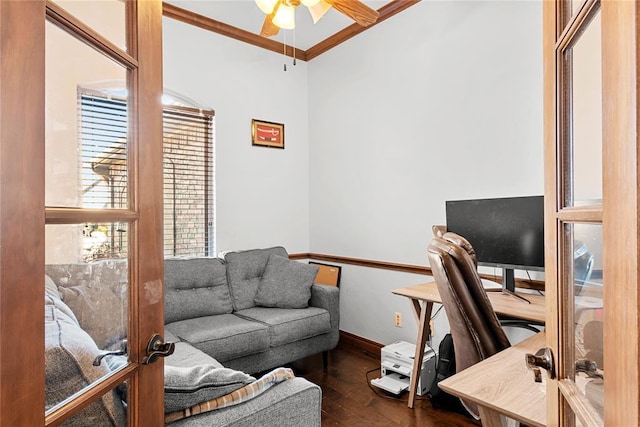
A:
x: 475, y: 328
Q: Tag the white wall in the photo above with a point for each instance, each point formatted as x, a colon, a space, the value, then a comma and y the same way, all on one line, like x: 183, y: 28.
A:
x: 262, y: 193
x: 443, y: 101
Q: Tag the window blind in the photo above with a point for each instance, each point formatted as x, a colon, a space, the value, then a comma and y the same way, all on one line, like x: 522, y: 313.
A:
x: 188, y: 169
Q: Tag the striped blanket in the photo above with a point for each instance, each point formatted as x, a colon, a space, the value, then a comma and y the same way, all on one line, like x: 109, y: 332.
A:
x: 240, y: 395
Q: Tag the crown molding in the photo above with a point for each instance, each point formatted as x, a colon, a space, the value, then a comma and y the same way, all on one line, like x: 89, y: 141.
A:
x: 218, y: 27
x: 209, y: 24
x: 386, y: 12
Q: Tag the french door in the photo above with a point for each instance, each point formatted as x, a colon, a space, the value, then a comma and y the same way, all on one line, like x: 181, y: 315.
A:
x: 106, y: 256
x: 591, y: 211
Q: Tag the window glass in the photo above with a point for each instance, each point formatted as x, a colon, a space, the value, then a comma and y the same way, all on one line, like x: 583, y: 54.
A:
x: 188, y: 183
x: 107, y: 17
x: 70, y: 171
x: 188, y: 166
x: 585, y: 242
x: 586, y: 110
x: 86, y: 320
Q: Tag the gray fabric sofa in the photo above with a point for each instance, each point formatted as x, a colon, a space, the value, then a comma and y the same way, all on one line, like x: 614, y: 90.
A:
x: 220, y: 307
x: 223, y: 323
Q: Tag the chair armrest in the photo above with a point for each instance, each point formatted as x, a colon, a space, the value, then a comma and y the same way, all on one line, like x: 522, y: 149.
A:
x: 327, y: 297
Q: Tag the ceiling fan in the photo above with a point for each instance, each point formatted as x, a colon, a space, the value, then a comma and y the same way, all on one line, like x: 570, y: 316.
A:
x: 281, y: 13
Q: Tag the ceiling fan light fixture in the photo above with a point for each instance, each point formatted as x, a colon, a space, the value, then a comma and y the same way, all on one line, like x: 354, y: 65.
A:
x: 310, y: 3
x: 285, y: 17
x: 318, y: 10
x: 266, y: 5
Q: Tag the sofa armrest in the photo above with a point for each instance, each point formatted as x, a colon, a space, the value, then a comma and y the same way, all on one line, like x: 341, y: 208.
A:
x: 291, y: 403
x: 327, y: 297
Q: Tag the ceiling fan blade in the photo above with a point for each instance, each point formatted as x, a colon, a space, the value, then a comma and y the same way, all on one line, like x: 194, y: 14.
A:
x: 318, y: 10
x: 270, y: 29
x: 356, y: 10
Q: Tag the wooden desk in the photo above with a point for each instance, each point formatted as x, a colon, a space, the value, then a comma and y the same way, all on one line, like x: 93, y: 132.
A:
x: 427, y: 293
x: 502, y: 385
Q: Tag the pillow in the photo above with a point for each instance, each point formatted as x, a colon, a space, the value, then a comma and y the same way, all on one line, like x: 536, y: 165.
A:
x: 100, y: 312
x: 244, y: 272
x: 188, y: 386
x: 238, y: 396
x: 285, y: 283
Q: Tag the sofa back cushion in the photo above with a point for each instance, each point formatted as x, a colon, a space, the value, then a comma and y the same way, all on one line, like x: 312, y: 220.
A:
x: 195, y: 287
x: 244, y: 272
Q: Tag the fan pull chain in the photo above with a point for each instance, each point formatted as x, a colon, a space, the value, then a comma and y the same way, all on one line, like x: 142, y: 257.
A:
x: 284, y: 50
x: 294, y: 46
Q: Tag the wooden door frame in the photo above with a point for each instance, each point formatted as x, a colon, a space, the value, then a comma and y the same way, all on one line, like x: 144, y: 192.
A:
x: 149, y: 204
x: 550, y: 35
x: 620, y: 215
x: 619, y: 209
x: 22, y: 113
x: 23, y: 214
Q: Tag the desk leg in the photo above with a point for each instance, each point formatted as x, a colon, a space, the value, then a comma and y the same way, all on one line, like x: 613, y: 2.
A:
x: 491, y: 418
x: 417, y: 309
x: 423, y: 335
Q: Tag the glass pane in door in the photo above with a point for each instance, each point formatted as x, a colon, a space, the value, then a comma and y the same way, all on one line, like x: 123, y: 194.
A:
x: 586, y: 109
x: 107, y: 17
x: 86, y: 300
x: 588, y: 309
x: 86, y: 125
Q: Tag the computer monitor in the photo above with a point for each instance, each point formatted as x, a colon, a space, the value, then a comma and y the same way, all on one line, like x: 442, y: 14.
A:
x: 505, y: 232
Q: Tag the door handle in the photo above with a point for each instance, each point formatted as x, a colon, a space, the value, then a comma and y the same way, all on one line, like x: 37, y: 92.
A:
x: 121, y: 352
x: 589, y: 367
x: 157, y: 348
x: 542, y: 359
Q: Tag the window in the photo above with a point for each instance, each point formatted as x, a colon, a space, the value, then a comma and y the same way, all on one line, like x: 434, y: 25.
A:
x: 188, y: 176
x: 188, y: 182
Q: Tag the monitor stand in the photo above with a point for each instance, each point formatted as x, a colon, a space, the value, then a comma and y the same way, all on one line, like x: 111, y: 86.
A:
x: 509, y: 284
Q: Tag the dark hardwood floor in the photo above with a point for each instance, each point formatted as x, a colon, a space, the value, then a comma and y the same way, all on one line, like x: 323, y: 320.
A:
x: 348, y: 400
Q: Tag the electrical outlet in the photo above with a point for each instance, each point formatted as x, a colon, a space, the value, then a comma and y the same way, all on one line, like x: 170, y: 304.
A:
x: 398, y: 320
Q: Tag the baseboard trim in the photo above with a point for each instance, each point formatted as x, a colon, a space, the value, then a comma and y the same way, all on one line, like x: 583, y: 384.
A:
x: 366, y: 346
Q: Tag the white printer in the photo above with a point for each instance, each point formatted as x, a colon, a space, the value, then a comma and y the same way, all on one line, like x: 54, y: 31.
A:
x: 396, y: 364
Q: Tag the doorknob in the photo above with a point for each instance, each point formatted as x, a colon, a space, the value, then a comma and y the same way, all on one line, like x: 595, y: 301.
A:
x: 542, y: 359
x: 157, y: 348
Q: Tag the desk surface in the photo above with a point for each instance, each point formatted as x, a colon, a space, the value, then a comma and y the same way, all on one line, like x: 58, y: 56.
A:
x: 504, y: 384
x: 503, y: 304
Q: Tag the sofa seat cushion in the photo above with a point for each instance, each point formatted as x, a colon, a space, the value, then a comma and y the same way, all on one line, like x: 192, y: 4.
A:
x: 224, y: 337
x: 185, y: 355
x: 195, y: 287
x: 170, y: 337
x: 289, y: 325
x: 244, y: 273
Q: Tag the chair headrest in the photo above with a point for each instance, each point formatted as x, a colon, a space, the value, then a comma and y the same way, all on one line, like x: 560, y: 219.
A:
x: 438, y: 230
x: 463, y: 243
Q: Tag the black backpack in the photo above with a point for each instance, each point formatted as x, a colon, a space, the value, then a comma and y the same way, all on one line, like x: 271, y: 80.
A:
x: 445, y: 367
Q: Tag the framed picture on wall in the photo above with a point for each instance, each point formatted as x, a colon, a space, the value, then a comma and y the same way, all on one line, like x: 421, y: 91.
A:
x: 267, y: 134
